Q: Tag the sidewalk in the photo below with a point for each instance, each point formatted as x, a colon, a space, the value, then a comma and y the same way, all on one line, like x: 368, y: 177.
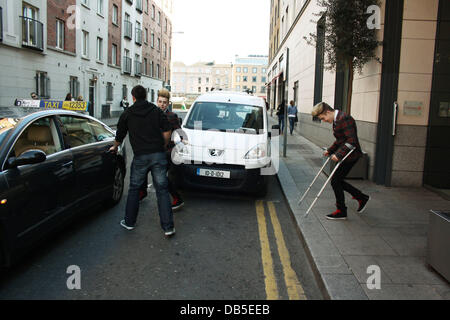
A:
x: 391, y: 233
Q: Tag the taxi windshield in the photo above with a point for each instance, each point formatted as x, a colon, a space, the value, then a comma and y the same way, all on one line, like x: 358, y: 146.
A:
x: 6, y: 124
x: 226, y: 116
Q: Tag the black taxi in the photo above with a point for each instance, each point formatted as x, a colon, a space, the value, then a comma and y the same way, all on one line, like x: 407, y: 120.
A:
x: 54, y: 164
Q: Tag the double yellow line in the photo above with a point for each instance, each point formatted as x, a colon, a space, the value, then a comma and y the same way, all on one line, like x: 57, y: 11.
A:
x: 294, y: 288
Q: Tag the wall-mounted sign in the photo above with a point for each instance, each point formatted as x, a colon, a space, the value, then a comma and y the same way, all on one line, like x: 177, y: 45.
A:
x: 444, y: 109
x: 412, y: 108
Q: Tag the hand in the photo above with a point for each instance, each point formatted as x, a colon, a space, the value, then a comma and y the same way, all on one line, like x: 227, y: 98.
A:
x: 113, y: 149
x: 326, y: 154
x: 334, y: 158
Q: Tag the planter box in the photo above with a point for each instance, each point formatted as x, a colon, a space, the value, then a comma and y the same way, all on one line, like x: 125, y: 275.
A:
x: 438, y: 250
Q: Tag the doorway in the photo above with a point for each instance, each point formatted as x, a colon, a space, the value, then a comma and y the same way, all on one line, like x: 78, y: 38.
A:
x: 437, y: 169
x: 92, y: 92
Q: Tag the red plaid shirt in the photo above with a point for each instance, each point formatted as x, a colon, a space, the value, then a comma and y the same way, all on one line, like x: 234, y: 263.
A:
x: 344, y: 130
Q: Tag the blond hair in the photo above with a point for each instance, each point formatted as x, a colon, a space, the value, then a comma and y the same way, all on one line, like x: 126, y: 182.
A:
x: 164, y: 93
x: 320, y: 108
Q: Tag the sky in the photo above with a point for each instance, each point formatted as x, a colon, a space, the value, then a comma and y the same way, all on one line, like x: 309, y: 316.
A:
x: 217, y: 30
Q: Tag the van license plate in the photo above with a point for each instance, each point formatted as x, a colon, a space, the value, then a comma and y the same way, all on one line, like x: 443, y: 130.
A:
x: 213, y: 173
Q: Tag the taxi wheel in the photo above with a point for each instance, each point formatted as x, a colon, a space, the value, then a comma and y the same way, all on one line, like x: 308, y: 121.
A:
x: 118, y: 186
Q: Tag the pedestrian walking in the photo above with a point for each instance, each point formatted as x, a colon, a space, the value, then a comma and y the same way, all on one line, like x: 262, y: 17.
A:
x: 68, y: 97
x: 280, y: 113
x: 345, y: 132
x: 124, y: 103
x: 150, y: 133
x: 292, y: 115
x: 163, y: 103
x: 80, y: 98
x: 34, y: 96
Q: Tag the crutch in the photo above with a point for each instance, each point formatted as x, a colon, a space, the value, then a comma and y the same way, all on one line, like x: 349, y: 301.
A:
x: 352, y: 148
x: 312, y: 183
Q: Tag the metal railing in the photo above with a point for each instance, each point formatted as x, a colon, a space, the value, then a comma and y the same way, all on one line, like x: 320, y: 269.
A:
x: 137, y: 68
x: 128, y: 32
x: 32, y: 33
x: 138, y: 36
x: 127, y: 65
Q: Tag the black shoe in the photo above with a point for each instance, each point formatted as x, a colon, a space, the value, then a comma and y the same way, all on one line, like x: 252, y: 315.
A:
x: 177, y: 203
x: 362, y: 203
x: 337, y: 215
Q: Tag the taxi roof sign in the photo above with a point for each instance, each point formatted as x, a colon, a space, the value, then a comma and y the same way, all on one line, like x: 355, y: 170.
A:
x: 80, y: 106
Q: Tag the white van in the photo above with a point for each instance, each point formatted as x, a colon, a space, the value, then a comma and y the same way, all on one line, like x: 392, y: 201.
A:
x: 225, y: 144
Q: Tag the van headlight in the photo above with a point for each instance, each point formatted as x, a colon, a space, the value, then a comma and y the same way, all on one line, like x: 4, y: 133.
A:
x: 182, y: 148
x: 257, y: 152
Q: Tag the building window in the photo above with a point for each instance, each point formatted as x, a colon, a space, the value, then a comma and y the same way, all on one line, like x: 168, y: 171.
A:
x: 263, y: 79
x: 109, y: 92
x: 42, y: 85
x: 100, y: 7
x: 153, y: 11
x: 146, y: 35
x: 165, y: 51
x: 74, y: 87
x: 145, y: 66
x: 158, y: 71
x: 245, y: 70
x: 255, y: 70
x: 254, y: 89
x: 199, y: 80
x: 238, y: 69
x: 139, y: 5
x: 60, y: 34
x: 245, y: 78
x: 238, y: 78
x: 320, y: 55
x: 254, y: 79
x: 114, y: 55
x: 85, y: 2
x: 263, y: 70
x: 85, y: 44
x: 263, y: 89
x: 199, y: 89
x: 207, y: 80
x: 165, y: 26
x: 146, y: 6
x: 152, y: 42
x: 99, y: 49
x: 124, y: 91
x: 158, y: 44
x: 115, y: 14
x: 152, y: 69
x: 159, y: 17
x: 238, y: 88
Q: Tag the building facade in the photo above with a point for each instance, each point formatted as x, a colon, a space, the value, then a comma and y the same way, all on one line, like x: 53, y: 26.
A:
x: 250, y: 73
x: 96, y: 49
x: 400, y: 103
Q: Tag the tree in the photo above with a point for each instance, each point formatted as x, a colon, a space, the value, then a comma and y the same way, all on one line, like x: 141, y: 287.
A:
x: 349, y: 42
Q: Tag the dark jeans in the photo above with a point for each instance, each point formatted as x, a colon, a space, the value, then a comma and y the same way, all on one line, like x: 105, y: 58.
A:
x: 291, y: 123
x: 172, y: 188
x: 339, y: 185
x: 141, y: 165
x: 281, y: 122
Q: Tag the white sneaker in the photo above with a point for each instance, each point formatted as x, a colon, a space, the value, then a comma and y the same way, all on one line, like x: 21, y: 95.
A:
x: 169, y: 232
x: 123, y: 224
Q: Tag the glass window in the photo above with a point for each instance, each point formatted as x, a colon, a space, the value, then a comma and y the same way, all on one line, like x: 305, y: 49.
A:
x: 40, y: 135
x: 59, y: 34
x: 85, y: 44
x: 226, y: 116
x: 115, y: 14
x: 80, y: 131
x: 99, y: 49
x: 114, y: 55
x: 245, y: 70
x: 238, y: 69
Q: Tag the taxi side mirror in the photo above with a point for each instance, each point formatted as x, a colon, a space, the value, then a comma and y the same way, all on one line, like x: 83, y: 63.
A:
x: 28, y: 157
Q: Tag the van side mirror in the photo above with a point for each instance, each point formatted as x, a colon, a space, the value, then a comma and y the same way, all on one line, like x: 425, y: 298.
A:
x: 28, y: 157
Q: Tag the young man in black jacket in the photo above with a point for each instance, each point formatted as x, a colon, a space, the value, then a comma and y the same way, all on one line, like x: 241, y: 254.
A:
x: 149, y: 132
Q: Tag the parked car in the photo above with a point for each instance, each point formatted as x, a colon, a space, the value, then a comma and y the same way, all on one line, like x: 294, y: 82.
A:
x: 226, y: 143
x: 54, y: 165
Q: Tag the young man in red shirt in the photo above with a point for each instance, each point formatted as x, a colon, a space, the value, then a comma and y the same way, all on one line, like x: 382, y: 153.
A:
x: 345, y: 132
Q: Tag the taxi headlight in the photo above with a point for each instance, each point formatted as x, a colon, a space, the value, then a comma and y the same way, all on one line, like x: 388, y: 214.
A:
x: 256, y: 152
x: 182, y: 148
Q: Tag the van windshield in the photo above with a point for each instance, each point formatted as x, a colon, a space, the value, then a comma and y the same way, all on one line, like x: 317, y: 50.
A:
x: 226, y: 117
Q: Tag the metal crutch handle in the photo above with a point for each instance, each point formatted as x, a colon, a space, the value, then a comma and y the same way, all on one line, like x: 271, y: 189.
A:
x: 331, y: 176
x: 312, y: 183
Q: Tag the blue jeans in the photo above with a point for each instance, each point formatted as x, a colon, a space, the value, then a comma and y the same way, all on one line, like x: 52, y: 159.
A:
x: 141, y: 165
x: 291, y: 123
x: 281, y: 123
